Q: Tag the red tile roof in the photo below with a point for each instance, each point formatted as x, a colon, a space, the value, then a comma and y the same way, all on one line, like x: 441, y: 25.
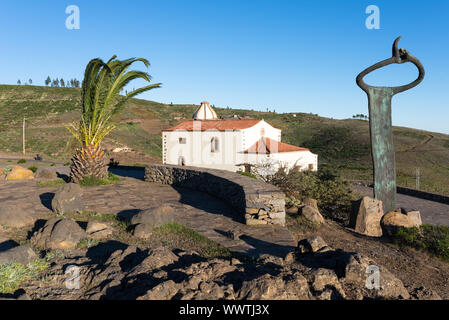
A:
x: 267, y: 145
x: 220, y: 125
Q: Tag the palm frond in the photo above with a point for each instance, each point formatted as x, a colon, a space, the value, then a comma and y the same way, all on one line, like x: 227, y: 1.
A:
x: 101, y: 99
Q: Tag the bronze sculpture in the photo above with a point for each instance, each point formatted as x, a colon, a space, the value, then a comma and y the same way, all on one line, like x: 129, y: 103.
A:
x: 381, y: 134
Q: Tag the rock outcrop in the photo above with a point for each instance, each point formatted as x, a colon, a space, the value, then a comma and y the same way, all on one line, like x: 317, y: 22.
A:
x: 98, y: 230
x: 145, y: 221
x: 394, y: 220
x: 21, y: 254
x: 19, y: 173
x: 45, y: 174
x: 352, y: 270
x: 312, y: 214
x: 68, y: 199
x: 59, y: 234
x: 365, y: 218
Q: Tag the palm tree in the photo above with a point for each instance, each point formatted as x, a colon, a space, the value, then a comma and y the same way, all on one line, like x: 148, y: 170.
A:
x: 101, y: 99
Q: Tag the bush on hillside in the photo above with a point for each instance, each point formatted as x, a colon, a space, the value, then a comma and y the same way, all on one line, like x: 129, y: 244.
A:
x: 333, y: 194
x: 434, y: 239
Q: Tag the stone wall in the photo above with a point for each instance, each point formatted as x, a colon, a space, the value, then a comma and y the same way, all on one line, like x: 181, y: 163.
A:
x: 260, y: 203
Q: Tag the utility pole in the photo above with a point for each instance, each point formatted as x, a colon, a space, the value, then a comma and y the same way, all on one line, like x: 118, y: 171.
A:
x: 418, y: 176
x: 23, y: 136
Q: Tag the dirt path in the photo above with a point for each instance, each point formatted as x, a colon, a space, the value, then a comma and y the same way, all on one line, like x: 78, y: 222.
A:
x: 414, y: 147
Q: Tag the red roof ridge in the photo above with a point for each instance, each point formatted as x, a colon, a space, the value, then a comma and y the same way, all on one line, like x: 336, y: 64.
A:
x: 267, y: 145
x: 215, y: 124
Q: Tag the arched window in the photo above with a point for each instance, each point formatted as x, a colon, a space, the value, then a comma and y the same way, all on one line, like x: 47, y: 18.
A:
x: 214, y: 144
x: 181, y: 161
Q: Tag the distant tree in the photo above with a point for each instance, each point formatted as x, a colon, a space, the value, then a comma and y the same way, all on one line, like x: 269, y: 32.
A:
x: 30, y: 81
x: 19, y: 82
x: 47, y: 81
x: 62, y: 82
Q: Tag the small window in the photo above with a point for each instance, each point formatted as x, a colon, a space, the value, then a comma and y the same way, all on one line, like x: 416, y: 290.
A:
x: 182, y: 140
x: 214, y: 144
x: 181, y: 161
x: 311, y: 166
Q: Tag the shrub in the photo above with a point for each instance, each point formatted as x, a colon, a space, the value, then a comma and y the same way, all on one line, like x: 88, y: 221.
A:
x: 332, y: 193
x: 33, y: 168
x: 13, y: 274
x: 96, y: 181
x: 247, y: 174
x: 434, y: 239
x: 21, y: 161
x: 87, y: 243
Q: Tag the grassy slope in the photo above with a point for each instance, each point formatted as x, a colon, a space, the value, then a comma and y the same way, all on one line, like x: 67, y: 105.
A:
x: 343, y: 144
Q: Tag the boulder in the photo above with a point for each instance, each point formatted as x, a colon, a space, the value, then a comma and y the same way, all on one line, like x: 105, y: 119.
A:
x: 163, y: 291
x: 143, y: 231
x: 268, y: 287
x: 15, y: 218
x: 310, y: 202
x: 22, y: 254
x: 326, y: 285
x: 19, y: 173
x: 67, y: 199
x: 45, y: 174
x: 311, y: 244
x: 394, y: 220
x: 57, y: 233
x: 355, y: 269
x: 414, y: 216
x: 312, y: 214
x: 155, y: 217
x: 98, y: 230
x: 366, y: 220
x: 422, y: 293
x: 159, y: 257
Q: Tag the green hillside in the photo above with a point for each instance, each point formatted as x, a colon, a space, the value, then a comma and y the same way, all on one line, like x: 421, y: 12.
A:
x: 341, y: 144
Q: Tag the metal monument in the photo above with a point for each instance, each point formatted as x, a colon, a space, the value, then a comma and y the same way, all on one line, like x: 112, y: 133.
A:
x: 381, y: 134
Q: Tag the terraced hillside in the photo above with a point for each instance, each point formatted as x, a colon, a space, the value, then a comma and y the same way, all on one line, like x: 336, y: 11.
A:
x: 341, y: 144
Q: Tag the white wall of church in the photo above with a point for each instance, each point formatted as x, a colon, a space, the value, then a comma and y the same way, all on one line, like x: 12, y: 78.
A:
x: 302, y: 159
x: 263, y: 129
x: 210, y: 149
x: 224, y: 149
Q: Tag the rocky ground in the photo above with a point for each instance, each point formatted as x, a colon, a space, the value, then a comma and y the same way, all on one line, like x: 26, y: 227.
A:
x: 116, y: 271
x: 153, y: 256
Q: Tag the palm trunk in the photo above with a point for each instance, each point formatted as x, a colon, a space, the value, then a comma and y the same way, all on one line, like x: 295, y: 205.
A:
x: 88, y: 161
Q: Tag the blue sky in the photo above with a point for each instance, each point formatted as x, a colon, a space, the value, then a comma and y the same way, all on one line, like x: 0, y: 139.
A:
x: 288, y: 56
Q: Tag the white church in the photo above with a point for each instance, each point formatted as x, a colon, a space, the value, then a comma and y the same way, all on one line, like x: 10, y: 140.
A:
x: 231, y: 144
